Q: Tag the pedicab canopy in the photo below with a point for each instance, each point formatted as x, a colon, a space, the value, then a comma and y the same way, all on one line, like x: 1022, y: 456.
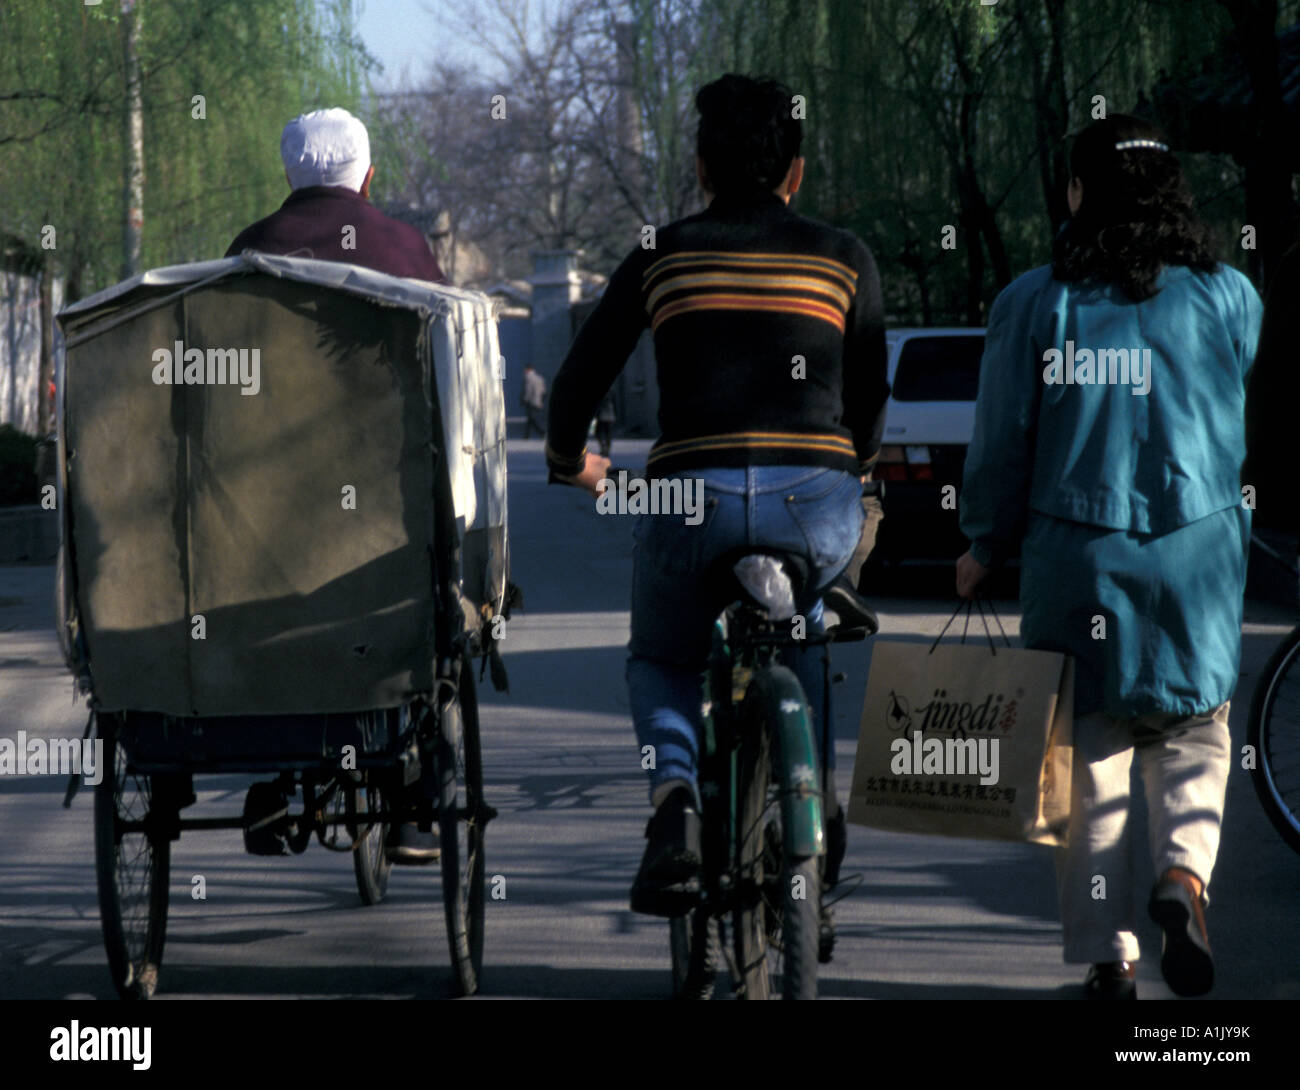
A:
x: 257, y: 457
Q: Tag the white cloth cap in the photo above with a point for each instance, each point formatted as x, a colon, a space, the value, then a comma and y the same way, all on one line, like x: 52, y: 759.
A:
x: 325, y: 147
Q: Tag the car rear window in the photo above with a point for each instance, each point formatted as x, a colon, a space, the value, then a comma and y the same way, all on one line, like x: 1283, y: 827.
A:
x: 938, y: 369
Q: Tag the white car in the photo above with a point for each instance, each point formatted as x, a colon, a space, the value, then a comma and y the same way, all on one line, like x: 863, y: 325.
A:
x: 929, y: 420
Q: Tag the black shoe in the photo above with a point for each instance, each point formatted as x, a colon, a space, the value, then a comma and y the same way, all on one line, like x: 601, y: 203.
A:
x: 1111, y: 980
x: 851, y: 608
x: 407, y: 846
x: 668, y: 882
x: 1186, y: 961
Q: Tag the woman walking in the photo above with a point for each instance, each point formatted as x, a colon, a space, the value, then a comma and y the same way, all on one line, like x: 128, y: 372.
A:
x: 1108, y: 445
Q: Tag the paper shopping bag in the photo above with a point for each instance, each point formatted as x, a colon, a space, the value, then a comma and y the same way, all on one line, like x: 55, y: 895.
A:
x: 956, y: 740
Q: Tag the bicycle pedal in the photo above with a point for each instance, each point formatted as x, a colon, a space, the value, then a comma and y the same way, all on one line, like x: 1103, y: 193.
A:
x: 668, y: 902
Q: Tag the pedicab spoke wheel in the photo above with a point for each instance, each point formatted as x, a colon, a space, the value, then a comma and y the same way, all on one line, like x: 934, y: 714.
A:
x: 369, y: 860
x: 462, y: 817
x: 1273, y: 729
x: 132, y: 868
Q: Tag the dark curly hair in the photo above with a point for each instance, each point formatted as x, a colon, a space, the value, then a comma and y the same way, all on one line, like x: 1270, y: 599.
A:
x: 1137, y: 214
x: 747, y: 136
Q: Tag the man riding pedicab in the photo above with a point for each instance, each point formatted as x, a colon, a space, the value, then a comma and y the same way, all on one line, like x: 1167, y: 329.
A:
x: 328, y: 216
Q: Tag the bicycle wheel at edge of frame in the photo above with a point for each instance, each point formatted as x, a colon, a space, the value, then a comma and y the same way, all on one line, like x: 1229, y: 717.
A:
x: 1283, y: 820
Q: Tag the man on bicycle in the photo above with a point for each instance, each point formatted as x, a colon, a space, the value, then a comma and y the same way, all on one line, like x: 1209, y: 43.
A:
x: 770, y: 351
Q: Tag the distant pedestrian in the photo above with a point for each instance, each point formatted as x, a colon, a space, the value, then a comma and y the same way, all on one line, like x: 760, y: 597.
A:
x: 605, y: 418
x: 1109, y: 436
x: 533, y: 399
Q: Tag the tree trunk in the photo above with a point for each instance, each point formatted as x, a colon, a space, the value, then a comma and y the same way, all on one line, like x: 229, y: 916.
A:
x: 970, y: 230
x: 1051, y: 105
x: 1267, y: 159
x: 977, y: 217
x: 44, y: 398
x: 133, y: 134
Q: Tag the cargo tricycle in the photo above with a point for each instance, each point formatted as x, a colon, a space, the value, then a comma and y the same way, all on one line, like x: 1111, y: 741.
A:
x: 284, y: 553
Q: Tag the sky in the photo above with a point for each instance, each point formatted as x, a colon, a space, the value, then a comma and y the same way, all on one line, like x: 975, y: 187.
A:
x: 405, y: 35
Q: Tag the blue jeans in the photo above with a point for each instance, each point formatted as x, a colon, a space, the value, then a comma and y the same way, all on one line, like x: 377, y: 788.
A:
x: 812, y: 511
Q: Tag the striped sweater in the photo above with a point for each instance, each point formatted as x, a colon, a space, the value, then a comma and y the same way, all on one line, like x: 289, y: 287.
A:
x: 769, y: 344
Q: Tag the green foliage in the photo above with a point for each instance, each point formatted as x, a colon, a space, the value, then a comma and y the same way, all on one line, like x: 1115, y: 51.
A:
x: 927, y: 113
x: 256, y: 62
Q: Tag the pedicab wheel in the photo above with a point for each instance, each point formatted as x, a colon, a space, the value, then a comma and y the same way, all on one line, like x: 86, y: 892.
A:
x: 132, y: 868
x: 369, y: 860
x: 462, y: 818
x: 1273, y: 730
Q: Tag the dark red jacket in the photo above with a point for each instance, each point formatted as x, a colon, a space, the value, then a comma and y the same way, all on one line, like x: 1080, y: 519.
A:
x: 312, y: 222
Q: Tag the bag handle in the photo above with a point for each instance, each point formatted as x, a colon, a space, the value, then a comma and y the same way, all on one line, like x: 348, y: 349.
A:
x: 974, y: 601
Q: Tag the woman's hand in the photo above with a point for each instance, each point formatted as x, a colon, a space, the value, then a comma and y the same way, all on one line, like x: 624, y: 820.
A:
x: 969, y: 574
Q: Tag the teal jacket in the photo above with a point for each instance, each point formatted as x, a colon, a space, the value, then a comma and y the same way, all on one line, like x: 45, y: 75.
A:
x: 1105, y: 430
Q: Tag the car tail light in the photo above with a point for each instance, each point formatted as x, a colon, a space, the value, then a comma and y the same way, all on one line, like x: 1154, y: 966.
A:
x: 892, y: 464
x: 918, y: 463
x: 912, y: 463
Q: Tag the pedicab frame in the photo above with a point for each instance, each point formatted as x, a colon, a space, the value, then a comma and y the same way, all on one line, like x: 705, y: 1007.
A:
x: 224, y: 608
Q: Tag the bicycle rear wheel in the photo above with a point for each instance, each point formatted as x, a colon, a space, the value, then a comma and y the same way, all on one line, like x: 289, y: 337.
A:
x: 777, y: 919
x: 132, y: 869
x: 749, y: 925
x: 1274, y: 731
x: 462, y: 818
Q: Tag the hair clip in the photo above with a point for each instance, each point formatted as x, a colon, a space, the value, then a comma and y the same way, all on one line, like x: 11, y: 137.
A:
x: 1141, y: 144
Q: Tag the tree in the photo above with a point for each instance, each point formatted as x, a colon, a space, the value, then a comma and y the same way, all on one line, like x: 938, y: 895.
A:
x: 1270, y: 154
x: 211, y: 82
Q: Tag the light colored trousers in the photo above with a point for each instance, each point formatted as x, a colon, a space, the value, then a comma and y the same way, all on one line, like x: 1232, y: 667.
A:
x: 1184, y: 762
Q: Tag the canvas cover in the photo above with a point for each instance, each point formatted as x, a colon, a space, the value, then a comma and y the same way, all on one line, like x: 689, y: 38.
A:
x: 272, y: 552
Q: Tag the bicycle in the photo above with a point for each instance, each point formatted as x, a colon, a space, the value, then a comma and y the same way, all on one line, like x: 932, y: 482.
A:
x: 762, y: 786
x: 1273, y: 730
